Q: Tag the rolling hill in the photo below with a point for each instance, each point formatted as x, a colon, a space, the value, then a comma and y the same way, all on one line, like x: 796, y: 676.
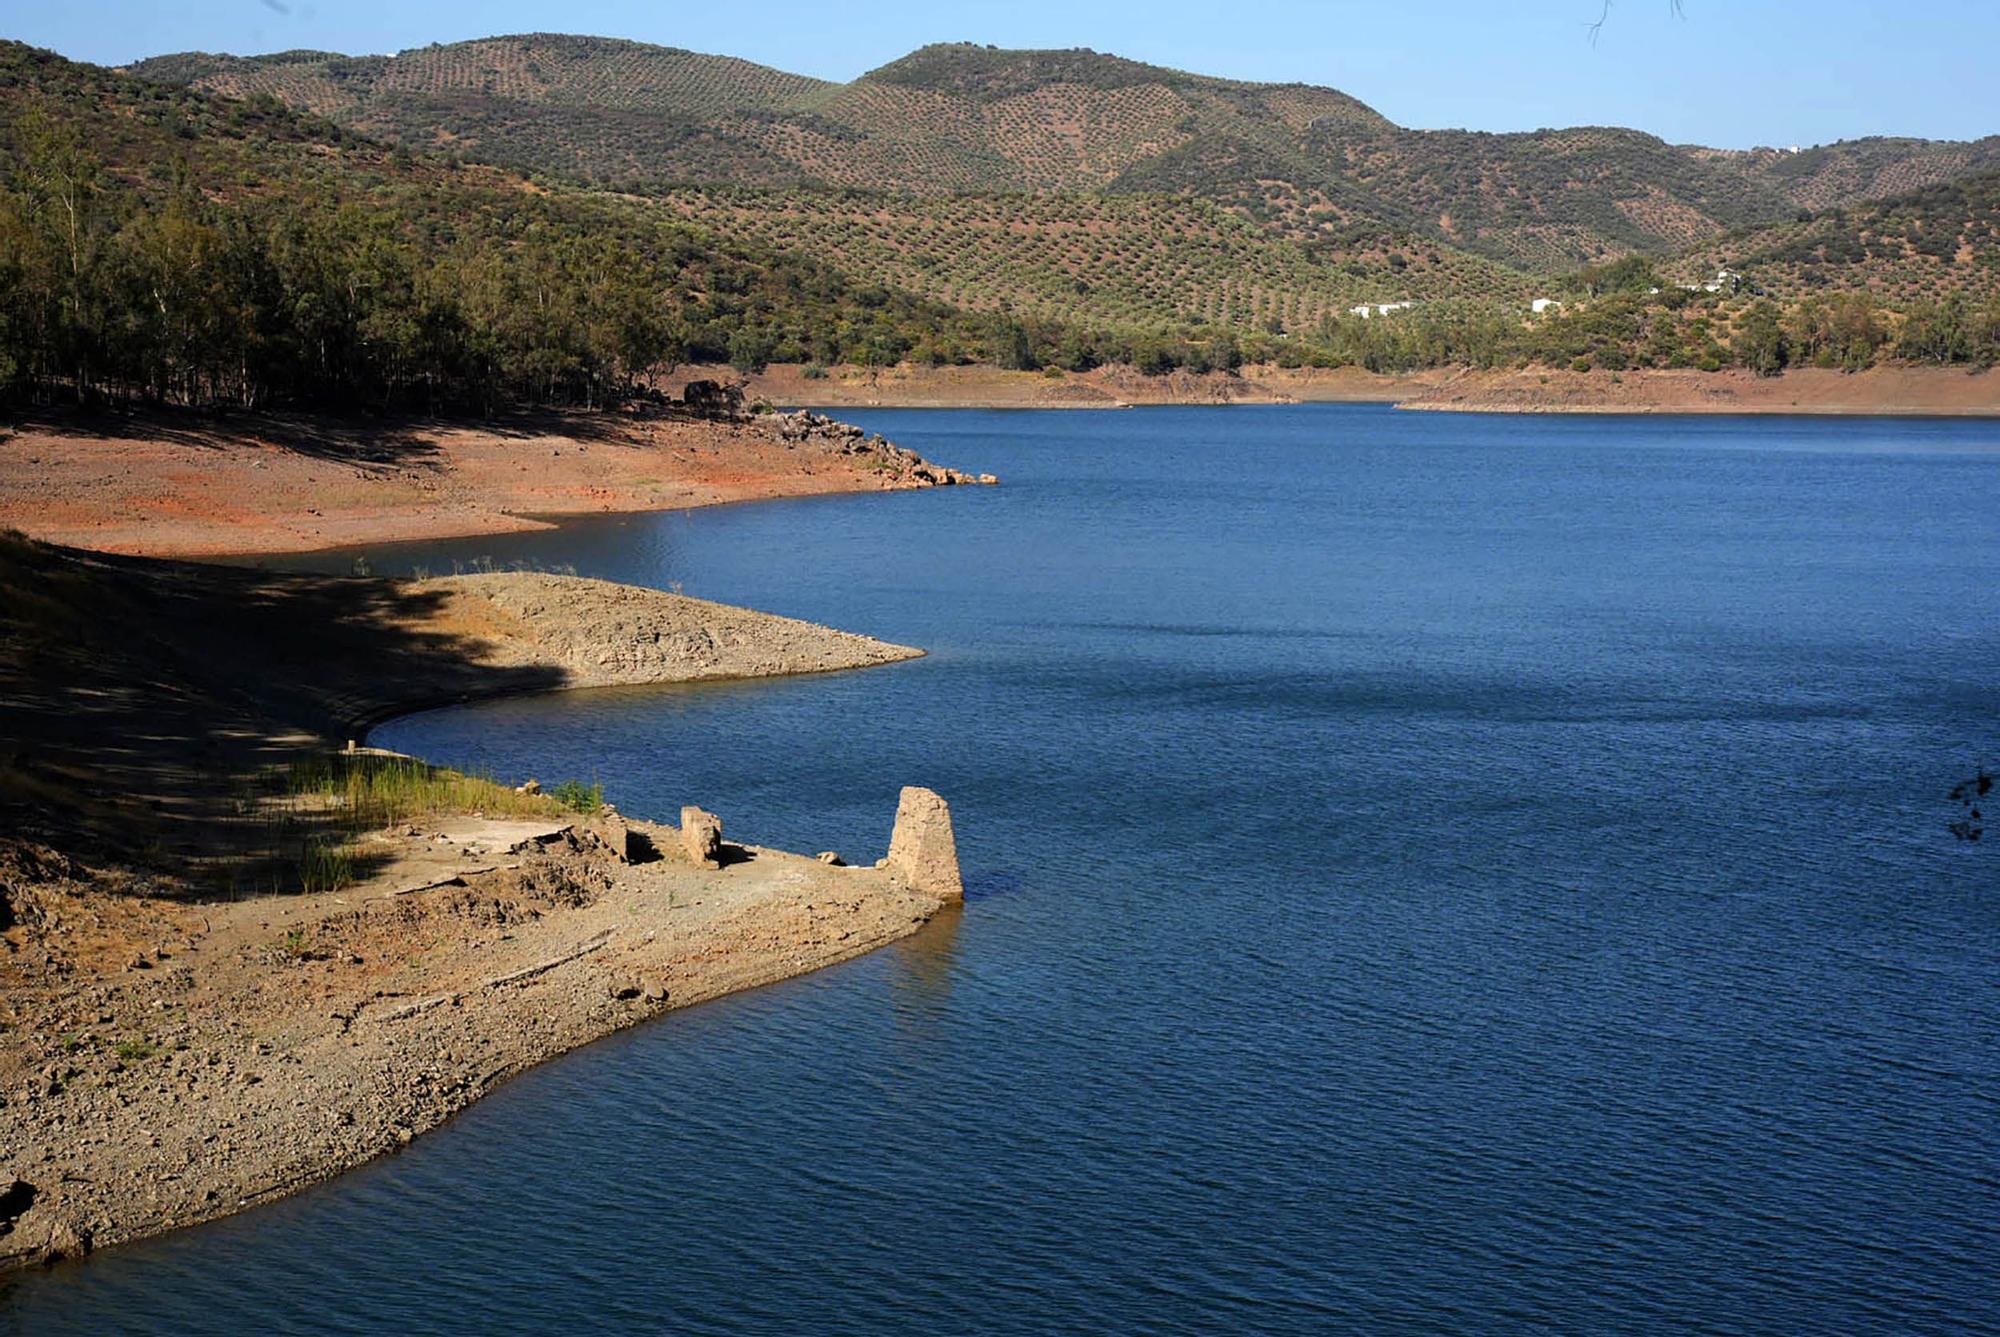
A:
x: 1297, y: 161
x: 1108, y: 260
x: 247, y: 237
x: 173, y: 244
x: 1920, y: 246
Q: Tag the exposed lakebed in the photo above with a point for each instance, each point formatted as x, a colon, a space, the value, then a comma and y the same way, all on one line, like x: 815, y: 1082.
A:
x: 1423, y: 872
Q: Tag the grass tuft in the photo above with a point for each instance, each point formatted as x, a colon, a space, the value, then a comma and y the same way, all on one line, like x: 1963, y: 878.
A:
x: 343, y: 796
x: 366, y: 793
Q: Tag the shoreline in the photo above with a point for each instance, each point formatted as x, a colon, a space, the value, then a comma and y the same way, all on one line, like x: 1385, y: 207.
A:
x: 258, y: 486
x: 1880, y: 392
x: 181, y: 1052
x: 1887, y: 391
x: 187, y: 485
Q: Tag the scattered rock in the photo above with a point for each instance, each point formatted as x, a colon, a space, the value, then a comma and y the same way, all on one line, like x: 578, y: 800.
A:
x: 623, y: 989
x: 609, y: 827
x: 701, y: 836
x: 529, y: 787
x: 713, y: 399
x: 831, y: 858
x: 66, y: 1239
x: 922, y: 847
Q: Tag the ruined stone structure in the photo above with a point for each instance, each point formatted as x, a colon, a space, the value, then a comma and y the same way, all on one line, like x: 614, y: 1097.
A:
x: 922, y: 849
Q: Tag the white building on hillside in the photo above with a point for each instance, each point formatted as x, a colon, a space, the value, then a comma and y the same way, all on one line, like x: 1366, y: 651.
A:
x: 1724, y: 280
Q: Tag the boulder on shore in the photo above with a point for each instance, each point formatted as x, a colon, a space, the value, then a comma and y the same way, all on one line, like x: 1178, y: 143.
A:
x: 922, y: 848
x: 701, y: 836
x: 608, y: 826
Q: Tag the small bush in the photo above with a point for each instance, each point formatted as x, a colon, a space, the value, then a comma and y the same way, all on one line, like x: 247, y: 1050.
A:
x: 813, y: 371
x: 579, y: 797
x: 132, y: 1051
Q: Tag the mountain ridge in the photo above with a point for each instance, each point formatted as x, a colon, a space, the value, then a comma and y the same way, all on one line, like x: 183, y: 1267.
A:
x: 1299, y: 159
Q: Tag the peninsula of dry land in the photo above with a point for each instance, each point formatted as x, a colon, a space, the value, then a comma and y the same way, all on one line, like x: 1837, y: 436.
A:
x: 239, y: 955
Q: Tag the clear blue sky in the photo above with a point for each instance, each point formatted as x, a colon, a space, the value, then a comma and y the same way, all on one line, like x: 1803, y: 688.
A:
x: 1731, y: 73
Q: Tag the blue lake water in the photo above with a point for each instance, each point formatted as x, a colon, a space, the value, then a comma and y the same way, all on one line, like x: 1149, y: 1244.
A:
x: 1425, y: 873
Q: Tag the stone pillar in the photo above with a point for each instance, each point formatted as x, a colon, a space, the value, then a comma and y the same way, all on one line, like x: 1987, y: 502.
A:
x: 701, y: 837
x: 922, y: 848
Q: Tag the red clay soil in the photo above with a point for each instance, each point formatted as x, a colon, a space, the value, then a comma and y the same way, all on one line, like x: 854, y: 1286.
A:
x: 166, y: 485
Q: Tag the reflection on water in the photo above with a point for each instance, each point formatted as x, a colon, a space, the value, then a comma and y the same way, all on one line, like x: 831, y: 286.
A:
x: 925, y: 961
x: 1424, y: 873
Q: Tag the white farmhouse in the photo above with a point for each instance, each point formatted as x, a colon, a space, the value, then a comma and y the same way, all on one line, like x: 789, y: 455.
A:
x: 1369, y: 310
x: 1541, y: 304
x: 1724, y: 278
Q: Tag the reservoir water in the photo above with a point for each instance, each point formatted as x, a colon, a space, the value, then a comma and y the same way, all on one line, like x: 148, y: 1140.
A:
x: 1425, y: 873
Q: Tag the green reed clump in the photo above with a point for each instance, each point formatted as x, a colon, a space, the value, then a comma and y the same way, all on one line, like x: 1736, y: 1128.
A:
x: 364, y: 793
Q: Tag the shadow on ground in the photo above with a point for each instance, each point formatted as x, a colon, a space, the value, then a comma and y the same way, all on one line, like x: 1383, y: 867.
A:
x: 144, y: 704
x: 399, y: 442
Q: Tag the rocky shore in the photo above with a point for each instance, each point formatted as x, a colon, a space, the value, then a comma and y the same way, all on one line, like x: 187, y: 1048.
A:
x: 184, y: 1039
x: 169, y: 485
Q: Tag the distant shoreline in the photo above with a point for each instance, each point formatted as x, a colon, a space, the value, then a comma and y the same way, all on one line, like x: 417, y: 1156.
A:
x: 162, y: 484
x: 1877, y: 392
x: 1934, y: 392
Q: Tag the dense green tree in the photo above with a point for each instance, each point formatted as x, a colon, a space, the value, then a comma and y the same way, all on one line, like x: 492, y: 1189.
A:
x: 1759, y: 342
x: 1013, y: 348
